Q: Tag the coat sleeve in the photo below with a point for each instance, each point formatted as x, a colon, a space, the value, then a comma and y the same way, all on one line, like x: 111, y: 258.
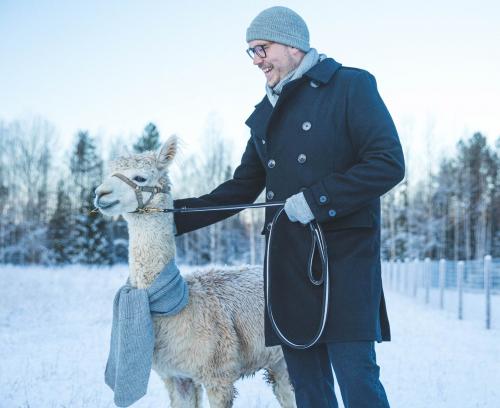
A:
x: 247, y: 183
x: 379, y: 163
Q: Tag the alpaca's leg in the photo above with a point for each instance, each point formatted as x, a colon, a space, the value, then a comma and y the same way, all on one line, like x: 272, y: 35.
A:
x: 183, y: 392
x: 277, y: 376
x: 220, y: 395
x: 198, y: 391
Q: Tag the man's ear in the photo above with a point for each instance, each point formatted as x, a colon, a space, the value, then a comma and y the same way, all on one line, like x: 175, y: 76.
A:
x: 295, y: 52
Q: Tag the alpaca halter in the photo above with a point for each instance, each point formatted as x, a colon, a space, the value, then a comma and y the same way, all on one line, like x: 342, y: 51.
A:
x: 140, y: 189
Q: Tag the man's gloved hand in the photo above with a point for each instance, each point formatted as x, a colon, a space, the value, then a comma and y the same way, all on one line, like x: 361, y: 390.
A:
x: 297, y: 209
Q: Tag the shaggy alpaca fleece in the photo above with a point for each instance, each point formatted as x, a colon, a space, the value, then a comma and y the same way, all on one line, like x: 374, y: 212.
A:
x: 219, y: 336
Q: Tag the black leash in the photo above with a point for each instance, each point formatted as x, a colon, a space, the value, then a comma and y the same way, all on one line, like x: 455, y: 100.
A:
x: 317, y: 238
x: 212, y: 208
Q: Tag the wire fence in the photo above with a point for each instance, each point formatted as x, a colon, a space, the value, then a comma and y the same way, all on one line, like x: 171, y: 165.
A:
x: 468, y: 289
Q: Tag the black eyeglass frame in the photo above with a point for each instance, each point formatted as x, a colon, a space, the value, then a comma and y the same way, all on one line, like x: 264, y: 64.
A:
x: 259, y: 50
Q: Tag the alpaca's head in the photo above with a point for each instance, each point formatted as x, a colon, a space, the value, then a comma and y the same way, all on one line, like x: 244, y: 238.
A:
x: 114, y: 196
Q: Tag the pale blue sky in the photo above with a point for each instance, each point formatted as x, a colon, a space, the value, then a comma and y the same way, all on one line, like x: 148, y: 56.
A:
x: 112, y: 66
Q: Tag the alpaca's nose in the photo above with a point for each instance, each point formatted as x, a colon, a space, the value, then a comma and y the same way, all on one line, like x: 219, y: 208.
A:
x: 102, y: 193
x: 99, y: 192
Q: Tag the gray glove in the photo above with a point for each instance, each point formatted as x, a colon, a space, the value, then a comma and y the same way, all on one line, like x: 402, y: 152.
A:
x: 297, y: 209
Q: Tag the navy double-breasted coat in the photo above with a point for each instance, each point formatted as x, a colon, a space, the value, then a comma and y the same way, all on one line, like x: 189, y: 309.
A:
x: 331, y: 136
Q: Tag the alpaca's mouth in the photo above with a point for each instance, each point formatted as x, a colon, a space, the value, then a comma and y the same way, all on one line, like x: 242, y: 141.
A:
x: 105, y: 206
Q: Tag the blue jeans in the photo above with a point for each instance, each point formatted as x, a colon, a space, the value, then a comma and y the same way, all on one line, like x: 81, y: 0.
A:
x: 356, y: 370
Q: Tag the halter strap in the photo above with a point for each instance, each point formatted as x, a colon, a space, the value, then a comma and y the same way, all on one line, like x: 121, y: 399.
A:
x: 140, y: 189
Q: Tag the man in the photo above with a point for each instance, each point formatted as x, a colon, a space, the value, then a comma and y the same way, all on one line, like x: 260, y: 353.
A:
x: 323, y: 140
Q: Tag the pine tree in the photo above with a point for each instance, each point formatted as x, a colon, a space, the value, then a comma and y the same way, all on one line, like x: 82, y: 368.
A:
x: 495, y: 206
x: 90, y: 233
x: 149, y: 140
x: 118, y: 235
x: 444, y: 202
x: 478, y: 183
x: 60, y: 227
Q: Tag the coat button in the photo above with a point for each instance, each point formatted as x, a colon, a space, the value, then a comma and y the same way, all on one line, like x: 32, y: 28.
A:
x: 313, y: 84
x: 270, y: 195
x: 302, y: 158
x: 268, y: 226
x: 322, y: 199
x: 306, y: 126
x: 332, y: 213
x: 271, y: 163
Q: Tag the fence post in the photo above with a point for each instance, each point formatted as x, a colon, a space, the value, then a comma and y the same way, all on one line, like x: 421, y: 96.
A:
x: 487, y: 289
x: 415, y: 270
x: 407, y: 274
x: 460, y: 280
x: 399, y: 268
x: 391, y: 280
x: 442, y: 275
x: 401, y: 271
x: 427, y: 279
x: 396, y: 275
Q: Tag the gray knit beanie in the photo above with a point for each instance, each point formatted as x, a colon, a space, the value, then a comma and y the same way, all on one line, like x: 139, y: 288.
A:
x: 281, y: 25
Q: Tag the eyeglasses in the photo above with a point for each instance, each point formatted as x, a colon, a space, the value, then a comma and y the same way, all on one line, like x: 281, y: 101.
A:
x: 259, y: 50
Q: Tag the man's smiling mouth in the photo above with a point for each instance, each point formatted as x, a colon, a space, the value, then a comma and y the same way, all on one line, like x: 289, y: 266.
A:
x: 266, y: 69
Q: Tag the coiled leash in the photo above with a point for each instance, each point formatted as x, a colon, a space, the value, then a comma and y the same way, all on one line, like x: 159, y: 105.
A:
x: 317, y: 238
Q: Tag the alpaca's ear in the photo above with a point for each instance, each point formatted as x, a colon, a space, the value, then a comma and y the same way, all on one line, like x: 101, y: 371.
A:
x: 167, y: 152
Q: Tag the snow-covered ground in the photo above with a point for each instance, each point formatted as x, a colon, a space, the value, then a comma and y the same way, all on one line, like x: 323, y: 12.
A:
x: 54, y: 334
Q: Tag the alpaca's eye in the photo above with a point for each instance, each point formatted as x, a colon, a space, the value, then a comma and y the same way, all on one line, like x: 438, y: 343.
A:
x: 139, y: 179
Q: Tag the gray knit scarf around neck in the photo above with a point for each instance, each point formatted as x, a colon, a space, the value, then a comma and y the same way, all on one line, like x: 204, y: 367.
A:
x: 310, y: 59
x: 132, y: 334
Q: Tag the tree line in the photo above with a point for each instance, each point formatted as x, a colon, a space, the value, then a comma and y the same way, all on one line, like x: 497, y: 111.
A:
x: 452, y: 212
x: 46, y: 199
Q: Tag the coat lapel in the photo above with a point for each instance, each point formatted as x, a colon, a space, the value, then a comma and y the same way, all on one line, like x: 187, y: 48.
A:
x: 259, y: 119
x: 264, y: 112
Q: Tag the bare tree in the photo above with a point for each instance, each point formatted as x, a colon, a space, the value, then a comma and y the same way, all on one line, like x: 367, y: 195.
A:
x: 26, y: 167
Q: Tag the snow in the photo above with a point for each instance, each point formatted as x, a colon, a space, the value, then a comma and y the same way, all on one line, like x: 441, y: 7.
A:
x: 55, y: 326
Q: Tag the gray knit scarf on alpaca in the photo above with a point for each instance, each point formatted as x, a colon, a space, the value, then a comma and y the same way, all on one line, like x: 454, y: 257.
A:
x: 310, y: 60
x: 132, y: 333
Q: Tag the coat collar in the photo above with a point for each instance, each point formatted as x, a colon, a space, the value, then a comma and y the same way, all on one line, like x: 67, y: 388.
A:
x: 323, y: 71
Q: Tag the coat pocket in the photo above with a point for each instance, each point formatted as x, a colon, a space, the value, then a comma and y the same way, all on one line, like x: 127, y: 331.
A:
x: 363, y: 218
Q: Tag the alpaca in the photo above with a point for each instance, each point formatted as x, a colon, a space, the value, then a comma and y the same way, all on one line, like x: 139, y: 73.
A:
x: 219, y: 336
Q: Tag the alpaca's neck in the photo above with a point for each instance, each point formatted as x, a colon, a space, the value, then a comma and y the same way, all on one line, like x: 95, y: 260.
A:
x: 151, y: 246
